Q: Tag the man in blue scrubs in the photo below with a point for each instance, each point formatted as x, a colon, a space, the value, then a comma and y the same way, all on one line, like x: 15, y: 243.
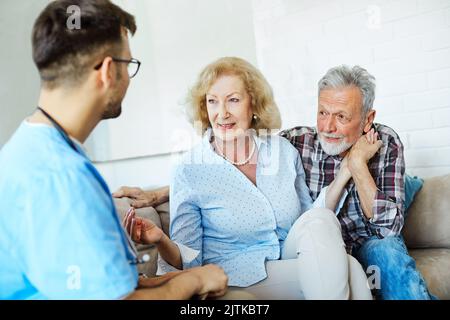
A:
x: 60, y: 237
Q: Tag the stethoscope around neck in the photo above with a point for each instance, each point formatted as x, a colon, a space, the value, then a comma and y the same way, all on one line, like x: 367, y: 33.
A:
x: 134, y: 259
x: 60, y: 129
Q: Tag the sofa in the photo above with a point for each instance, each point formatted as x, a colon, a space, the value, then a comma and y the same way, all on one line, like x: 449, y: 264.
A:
x: 426, y: 233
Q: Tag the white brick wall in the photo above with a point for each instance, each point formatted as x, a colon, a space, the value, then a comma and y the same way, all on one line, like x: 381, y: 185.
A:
x: 405, y: 44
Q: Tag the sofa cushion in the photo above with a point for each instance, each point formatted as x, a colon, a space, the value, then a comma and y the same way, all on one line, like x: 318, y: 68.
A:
x: 428, y: 222
x: 412, y: 186
x: 434, y: 266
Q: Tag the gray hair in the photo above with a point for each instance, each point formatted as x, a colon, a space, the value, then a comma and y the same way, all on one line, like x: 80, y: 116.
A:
x: 344, y: 76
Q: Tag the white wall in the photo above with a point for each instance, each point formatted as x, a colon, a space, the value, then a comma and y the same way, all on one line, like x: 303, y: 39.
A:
x: 146, y: 172
x: 405, y: 44
x: 19, y: 79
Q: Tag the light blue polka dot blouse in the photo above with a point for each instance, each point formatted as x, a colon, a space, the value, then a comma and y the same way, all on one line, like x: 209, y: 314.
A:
x: 219, y: 216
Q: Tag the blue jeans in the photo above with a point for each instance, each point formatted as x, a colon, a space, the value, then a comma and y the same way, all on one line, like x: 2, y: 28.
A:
x: 398, y: 277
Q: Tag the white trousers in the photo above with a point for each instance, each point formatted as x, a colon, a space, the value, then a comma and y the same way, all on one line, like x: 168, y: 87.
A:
x: 313, y: 265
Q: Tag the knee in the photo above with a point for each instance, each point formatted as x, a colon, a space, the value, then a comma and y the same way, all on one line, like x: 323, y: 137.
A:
x: 319, y: 224
x: 384, y: 251
x: 320, y: 214
x: 321, y: 219
x: 385, y: 245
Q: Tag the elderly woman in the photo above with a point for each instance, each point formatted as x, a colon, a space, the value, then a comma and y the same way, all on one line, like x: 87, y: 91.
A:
x: 239, y: 199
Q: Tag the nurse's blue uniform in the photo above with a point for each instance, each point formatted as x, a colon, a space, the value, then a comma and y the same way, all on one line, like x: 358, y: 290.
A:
x: 60, y: 236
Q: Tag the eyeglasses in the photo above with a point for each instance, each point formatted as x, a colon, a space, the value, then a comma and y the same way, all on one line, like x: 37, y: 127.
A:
x: 133, y: 65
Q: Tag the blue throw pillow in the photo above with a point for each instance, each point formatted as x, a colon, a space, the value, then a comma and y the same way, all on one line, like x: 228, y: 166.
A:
x: 412, y: 186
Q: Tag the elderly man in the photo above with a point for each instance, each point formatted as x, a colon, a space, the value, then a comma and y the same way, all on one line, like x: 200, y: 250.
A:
x: 371, y: 209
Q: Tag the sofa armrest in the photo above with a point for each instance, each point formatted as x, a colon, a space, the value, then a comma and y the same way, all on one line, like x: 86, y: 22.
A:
x: 427, y: 224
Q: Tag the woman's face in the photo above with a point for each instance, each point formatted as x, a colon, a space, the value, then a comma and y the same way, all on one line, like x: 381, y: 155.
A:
x: 229, y: 107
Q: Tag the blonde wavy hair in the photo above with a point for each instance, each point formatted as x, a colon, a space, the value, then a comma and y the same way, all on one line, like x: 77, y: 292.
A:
x: 263, y: 105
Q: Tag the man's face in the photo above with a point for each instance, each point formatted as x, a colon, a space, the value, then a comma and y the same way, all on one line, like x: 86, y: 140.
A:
x: 118, y: 91
x: 339, y: 119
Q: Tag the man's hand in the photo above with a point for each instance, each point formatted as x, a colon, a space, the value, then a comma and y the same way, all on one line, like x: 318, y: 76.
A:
x: 364, y: 149
x: 141, y: 230
x: 213, y: 280
x: 207, y: 281
x: 139, y: 198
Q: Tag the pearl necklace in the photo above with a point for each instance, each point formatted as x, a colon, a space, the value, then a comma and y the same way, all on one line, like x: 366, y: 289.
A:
x: 233, y: 162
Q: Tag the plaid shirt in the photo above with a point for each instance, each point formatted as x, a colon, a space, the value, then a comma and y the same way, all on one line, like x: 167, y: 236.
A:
x: 387, y: 168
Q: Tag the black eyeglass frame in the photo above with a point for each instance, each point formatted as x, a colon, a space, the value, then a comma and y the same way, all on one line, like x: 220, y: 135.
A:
x: 132, y: 60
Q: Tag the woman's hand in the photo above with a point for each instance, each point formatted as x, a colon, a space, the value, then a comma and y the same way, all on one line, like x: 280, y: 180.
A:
x: 141, y: 230
x: 344, y: 169
x: 139, y: 198
x: 364, y: 149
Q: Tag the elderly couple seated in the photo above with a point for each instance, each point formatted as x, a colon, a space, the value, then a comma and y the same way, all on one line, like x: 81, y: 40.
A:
x: 295, y: 215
